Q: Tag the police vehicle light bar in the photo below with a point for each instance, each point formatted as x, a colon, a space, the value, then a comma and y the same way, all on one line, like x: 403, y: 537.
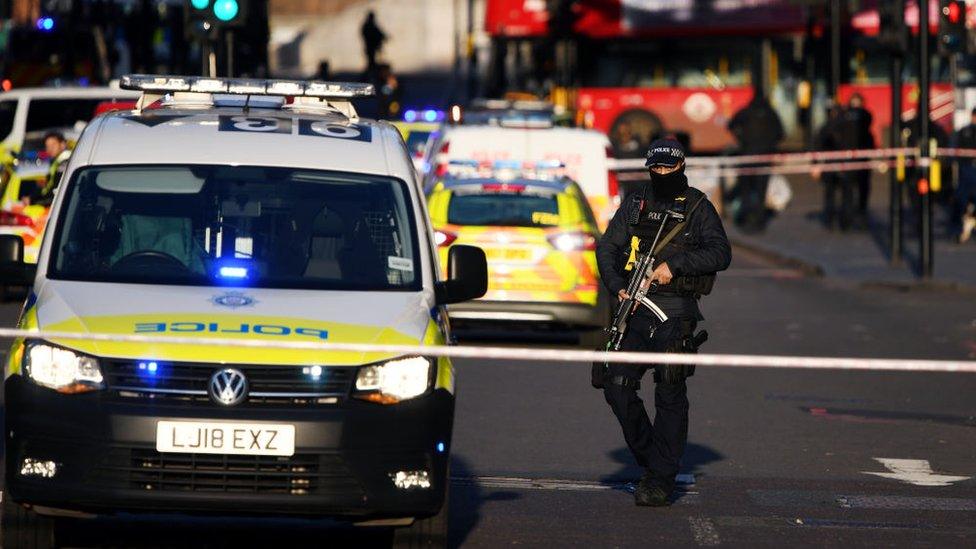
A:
x: 242, y: 86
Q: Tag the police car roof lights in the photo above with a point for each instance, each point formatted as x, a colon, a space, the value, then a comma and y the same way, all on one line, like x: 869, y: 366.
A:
x: 244, y: 86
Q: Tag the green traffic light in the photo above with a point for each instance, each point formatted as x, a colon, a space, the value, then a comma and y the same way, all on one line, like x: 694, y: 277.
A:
x: 200, y: 4
x: 225, y: 10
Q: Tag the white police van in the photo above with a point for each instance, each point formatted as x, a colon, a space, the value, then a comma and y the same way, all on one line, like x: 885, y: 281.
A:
x: 254, y: 212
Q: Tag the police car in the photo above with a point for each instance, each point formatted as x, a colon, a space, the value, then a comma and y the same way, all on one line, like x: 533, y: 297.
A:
x: 539, y: 234
x: 254, y: 212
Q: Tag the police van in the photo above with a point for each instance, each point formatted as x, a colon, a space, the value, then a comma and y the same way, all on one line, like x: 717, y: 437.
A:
x: 254, y: 212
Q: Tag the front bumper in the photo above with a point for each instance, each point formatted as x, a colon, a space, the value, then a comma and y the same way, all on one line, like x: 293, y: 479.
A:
x: 344, y: 457
x: 571, y: 314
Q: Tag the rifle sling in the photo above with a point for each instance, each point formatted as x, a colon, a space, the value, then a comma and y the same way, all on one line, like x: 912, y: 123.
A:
x: 677, y: 228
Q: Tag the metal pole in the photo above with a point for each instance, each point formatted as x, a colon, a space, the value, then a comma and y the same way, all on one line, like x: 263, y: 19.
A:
x: 229, y: 36
x: 472, y: 54
x: 925, y: 198
x: 834, y: 47
x: 894, y: 139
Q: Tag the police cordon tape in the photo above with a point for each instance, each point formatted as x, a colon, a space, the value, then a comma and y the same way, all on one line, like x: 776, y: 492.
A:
x: 526, y: 354
x: 640, y: 175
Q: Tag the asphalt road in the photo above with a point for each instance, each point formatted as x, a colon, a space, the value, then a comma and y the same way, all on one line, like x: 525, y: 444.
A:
x: 775, y: 457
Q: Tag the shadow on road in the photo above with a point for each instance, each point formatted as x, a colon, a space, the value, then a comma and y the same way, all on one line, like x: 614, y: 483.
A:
x: 466, y: 499
x: 695, y: 456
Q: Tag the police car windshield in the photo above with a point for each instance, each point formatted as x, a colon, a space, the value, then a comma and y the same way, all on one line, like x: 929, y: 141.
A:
x: 238, y: 226
x: 520, y: 207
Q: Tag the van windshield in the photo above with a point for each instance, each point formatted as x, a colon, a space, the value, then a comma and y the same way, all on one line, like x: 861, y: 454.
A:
x: 238, y: 226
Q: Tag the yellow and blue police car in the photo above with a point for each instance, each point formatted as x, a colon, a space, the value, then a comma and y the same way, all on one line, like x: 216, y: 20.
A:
x: 251, y: 211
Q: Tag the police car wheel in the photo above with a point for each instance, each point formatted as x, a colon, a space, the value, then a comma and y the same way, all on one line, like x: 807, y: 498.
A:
x: 428, y: 532
x: 22, y: 528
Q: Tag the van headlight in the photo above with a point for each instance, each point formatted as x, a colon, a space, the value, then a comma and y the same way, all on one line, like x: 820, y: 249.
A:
x: 393, y: 381
x: 62, y: 370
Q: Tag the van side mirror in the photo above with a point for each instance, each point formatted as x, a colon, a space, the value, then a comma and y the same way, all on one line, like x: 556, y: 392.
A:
x: 13, y: 270
x: 467, y: 275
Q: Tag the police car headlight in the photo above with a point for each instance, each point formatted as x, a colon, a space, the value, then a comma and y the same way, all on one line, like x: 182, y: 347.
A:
x: 393, y: 381
x: 62, y: 370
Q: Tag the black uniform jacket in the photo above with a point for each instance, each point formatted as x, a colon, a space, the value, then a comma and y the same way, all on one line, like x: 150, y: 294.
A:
x: 701, y: 248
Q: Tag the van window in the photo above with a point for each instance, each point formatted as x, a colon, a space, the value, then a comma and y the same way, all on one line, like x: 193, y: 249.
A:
x: 46, y: 114
x: 8, y: 108
x: 241, y: 226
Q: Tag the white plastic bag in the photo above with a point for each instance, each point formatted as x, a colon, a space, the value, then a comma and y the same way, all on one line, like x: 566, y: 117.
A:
x: 778, y: 193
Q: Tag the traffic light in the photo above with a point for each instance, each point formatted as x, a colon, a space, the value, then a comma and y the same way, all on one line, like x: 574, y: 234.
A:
x: 892, y: 33
x: 205, y: 16
x: 952, y: 26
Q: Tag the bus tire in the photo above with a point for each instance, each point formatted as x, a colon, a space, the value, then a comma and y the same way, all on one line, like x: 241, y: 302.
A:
x: 644, y: 125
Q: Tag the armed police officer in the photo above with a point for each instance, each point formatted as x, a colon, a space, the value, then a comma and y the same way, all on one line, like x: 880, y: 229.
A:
x: 691, y: 248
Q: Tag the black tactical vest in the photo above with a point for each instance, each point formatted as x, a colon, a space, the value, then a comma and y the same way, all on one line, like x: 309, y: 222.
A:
x: 644, y: 219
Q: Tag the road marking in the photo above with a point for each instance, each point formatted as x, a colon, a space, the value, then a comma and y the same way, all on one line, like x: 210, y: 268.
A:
x: 914, y: 471
x: 704, y: 531
x: 822, y: 499
x: 683, y: 480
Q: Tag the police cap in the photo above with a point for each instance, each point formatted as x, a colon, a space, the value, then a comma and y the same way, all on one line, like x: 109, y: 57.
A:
x: 665, y: 152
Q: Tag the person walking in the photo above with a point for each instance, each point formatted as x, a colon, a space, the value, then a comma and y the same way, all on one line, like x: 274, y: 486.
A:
x: 963, y: 219
x: 373, y: 39
x: 854, y: 133
x: 758, y: 130
x: 827, y: 139
x: 694, y: 249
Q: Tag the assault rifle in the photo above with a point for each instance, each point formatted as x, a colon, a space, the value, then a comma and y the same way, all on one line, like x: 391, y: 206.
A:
x: 637, y: 290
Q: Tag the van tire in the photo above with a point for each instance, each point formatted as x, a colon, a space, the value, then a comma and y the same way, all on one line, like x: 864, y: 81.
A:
x: 22, y: 528
x: 427, y: 533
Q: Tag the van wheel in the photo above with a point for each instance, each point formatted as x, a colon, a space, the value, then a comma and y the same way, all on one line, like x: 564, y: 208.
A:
x: 427, y: 533
x: 22, y: 528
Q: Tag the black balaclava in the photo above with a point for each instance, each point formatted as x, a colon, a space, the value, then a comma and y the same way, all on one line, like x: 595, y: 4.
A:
x: 666, y: 188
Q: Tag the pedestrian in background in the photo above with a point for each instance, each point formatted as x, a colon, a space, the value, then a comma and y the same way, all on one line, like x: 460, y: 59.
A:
x: 855, y: 133
x: 827, y: 139
x: 684, y: 270
x: 963, y: 219
x: 758, y: 130
x: 373, y: 39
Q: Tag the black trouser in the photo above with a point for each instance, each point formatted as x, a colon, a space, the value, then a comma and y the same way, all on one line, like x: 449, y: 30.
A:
x: 863, y: 178
x: 751, y: 190
x: 844, y: 183
x: 657, y: 447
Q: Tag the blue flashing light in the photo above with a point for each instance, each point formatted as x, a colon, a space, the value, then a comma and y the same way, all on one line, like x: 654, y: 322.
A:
x: 232, y: 272
x: 430, y: 115
x: 45, y: 24
x: 200, y: 4
x: 84, y: 81
x: 315, y: 372
x: 409, y: 115
x: 226, y: 10
x: 441, y: 447
x: 151, y: 368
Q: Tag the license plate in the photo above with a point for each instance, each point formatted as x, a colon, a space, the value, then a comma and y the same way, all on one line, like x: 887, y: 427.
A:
x: 211, y: 437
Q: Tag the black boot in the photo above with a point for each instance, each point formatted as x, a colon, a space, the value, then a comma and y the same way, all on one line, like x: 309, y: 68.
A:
x: 648, y: 494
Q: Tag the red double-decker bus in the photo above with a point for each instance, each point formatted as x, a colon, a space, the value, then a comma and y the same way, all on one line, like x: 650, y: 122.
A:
x: 642, y: 67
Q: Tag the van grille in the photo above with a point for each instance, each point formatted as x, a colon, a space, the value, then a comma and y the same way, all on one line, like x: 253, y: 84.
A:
x: 298, y: 475
x: 189, y: 383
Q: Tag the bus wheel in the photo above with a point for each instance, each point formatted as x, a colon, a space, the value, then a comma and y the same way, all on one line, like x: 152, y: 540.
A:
x: 633, y: 131
x: 22, y: 528
x: 430, y: 532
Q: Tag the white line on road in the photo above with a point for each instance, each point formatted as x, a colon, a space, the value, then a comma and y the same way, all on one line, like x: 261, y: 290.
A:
x: 914, y: 471
x: 704, y: 531
x: 519, y: 483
